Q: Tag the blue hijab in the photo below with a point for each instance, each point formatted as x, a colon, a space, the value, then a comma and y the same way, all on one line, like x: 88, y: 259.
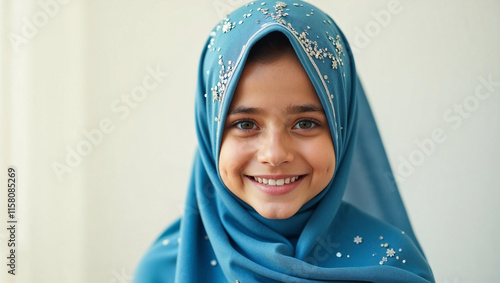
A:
x: 221, y: 239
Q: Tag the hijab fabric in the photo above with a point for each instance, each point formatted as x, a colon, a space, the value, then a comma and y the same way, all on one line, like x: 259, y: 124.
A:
x: 222, y: 239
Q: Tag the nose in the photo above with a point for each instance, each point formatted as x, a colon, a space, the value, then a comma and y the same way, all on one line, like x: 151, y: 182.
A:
x: 275, y: 148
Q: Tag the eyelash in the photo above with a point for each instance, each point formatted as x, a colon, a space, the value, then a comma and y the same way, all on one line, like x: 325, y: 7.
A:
x: 313, y: 122
x: 238, y: 123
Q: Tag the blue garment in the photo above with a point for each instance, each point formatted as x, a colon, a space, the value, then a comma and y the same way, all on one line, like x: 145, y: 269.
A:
x: 221, y: 239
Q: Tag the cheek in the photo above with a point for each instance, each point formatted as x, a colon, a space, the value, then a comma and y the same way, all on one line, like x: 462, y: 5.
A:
x: 321, y: 156
x: 224, y: 166
x: 225, y: 160
x: 234, y: 155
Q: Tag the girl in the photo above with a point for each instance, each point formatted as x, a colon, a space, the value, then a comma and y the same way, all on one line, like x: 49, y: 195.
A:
x: 288, y: 149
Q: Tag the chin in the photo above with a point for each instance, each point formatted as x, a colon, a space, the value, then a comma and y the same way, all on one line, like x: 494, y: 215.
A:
x: 276, y: 212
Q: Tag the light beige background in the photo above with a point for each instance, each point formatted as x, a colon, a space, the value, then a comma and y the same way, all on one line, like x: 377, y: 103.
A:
x: 72, y: 70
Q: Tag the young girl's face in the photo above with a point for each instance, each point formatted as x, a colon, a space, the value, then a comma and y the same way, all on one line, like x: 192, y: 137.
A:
x: 277, y: 152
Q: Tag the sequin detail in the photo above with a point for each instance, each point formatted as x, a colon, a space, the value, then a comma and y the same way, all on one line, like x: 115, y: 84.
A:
x: 311, y: 47
x: 390, y: 252
x: 224, y: 74
x: 358, y: 240
x: 227, y: 26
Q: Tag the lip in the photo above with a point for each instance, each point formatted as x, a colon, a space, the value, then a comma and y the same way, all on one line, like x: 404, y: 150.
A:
x: 276, y: 190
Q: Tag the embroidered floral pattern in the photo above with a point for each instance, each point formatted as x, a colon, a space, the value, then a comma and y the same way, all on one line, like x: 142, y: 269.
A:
x: 225, y: 73
x: 310, y: 46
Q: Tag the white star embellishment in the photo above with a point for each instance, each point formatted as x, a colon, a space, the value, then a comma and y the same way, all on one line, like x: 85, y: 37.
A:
x: 358, y: 240
x: 215, y: 95
x: 390, y: 252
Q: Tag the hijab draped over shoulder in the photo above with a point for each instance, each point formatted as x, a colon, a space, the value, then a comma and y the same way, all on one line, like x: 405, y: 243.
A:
x: 355, y: 230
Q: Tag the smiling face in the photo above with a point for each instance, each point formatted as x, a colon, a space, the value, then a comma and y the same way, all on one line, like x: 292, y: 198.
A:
x: 277, y: 152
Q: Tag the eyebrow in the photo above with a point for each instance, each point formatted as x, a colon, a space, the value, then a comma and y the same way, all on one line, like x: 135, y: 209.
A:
x: 293, y: 109
x: 245, y: 110
x: 297, y: 109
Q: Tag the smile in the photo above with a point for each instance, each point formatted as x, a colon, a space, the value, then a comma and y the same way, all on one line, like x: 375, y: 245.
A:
x: 276, y: 185
x: 275, y: 182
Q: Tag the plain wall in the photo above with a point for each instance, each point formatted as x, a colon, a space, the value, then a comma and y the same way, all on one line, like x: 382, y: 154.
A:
x: 72, y: 73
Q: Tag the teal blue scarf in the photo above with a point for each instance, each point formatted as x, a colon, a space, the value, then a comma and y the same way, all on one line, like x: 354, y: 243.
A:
x: 221, y: 239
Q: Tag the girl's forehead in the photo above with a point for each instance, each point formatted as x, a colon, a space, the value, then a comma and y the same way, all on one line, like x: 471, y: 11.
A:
x: 277, y: 83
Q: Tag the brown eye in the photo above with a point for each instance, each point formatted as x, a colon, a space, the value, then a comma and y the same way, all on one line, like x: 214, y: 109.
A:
x: 305, y: 125
x: 246, y: 125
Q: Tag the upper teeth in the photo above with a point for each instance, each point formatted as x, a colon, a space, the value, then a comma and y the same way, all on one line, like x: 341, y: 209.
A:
x: 273, y: 182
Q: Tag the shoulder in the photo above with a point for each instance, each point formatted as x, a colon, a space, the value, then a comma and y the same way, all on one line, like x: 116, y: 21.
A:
x: 374, y: 242
x: 159, y: 262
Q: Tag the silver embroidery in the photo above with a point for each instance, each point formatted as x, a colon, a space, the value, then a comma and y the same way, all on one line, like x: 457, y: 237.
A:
x: 310, y: 46
x: 225, y: 73
x: 227, y: 26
